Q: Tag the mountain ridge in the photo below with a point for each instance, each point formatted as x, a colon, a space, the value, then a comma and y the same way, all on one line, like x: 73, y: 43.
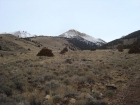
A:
x: 127, y: 41
x: 74, y: 33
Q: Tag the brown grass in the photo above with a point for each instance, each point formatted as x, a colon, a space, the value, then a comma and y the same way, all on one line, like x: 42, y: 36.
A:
x: 40, y: 76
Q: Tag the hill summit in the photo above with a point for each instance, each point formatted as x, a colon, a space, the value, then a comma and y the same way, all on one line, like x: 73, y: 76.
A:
x: 76, y: 34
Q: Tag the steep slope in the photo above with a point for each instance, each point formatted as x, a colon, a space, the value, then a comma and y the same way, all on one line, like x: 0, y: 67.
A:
x: 75, y: 37
x: 127, y: 41
x: 132, y: 35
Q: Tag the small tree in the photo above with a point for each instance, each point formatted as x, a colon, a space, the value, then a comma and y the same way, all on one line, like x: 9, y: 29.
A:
x: 120, y: 48
x: 134, y: 49
x: 64, y: 50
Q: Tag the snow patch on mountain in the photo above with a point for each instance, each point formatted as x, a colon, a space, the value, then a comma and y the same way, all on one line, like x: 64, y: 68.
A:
x: 74, y: 33
x: 21, y: 34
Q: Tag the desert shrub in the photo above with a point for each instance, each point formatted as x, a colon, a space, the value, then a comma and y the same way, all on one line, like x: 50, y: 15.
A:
x: 34, y: 100
x: 49, y: 77
x: 71, y: 93
x: 3, y: 97
x: 101, y: 103
x: 120, y: 48
x: 109, y: 93
x: 134, y: 49
x: 18, y: 97
x: 64, y: 50
x: 8, y: 103
x: 66, y: 82
x: 78, y: 79
x: 29, y: 72
x: 96, y: 95
x: 45, y: 52
x: 80, y: 102
x: 39, y: 79
x: 23, y: 103
x: 93, y: 49
x: 19, y: 84
x: 56, y: 99
x: 90, y: 80
x: 52, y: 85
x: 91, y: 102
x: 7, y: 90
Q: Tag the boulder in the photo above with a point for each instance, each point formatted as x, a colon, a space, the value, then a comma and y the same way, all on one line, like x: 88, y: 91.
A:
x: 45, y: 52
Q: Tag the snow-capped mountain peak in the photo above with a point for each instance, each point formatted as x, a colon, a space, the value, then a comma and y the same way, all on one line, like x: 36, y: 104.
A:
x: 22, y: 34
x: 73, y: 34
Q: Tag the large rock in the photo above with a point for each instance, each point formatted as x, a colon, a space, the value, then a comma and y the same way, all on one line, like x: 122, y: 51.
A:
x: 45, y: 52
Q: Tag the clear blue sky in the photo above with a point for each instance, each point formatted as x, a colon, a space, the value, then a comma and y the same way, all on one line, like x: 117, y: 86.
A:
x: 105, y: 19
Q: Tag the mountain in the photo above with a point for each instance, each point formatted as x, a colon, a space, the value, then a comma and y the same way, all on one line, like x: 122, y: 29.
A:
x: 21, y: 34
x: 82, y: 40
x: 74, y: 38
x: 127, y: 41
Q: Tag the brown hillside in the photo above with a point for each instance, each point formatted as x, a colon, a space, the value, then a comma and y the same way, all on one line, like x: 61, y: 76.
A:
x: 78, y: 77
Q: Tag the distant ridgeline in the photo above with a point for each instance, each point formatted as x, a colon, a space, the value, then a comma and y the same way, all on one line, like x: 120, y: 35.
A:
x: 127, y: 41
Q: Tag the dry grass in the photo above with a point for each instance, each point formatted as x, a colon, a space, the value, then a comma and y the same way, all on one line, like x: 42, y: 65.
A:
x: 30, y: 77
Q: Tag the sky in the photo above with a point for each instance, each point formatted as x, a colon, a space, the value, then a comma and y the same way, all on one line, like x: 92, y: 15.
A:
x: 105, y: 19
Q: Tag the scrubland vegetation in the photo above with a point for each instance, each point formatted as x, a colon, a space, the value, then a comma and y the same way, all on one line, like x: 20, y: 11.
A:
x: 74, y: 78
x: 30, y: 75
